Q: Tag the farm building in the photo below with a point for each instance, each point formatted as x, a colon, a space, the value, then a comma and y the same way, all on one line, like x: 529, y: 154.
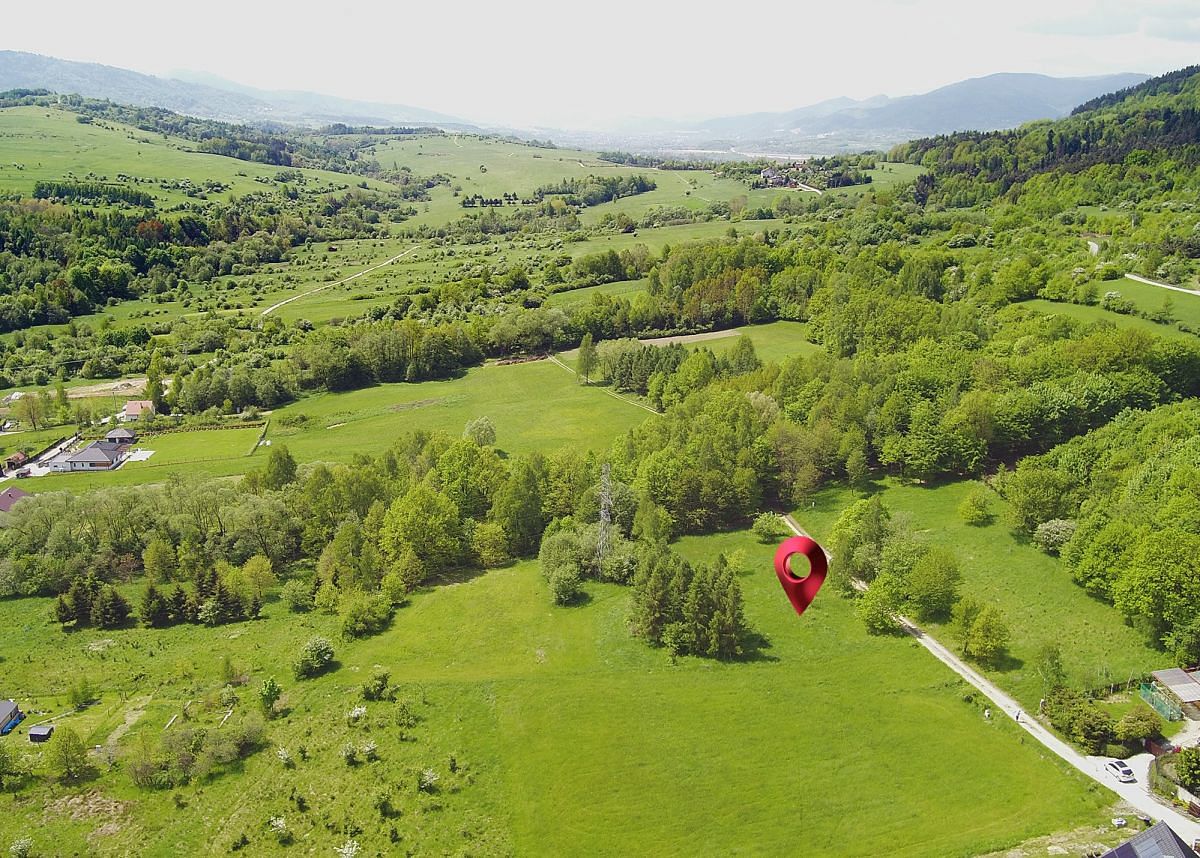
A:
x: 41, y: 734
x: 135, y: 409
x: 1183, y: 686
x: 10, y: 496
x: 10, y: 716
x: 16, y: 460
x: 1157, y: 841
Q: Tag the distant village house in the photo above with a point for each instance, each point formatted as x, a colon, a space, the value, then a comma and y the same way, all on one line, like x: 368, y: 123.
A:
x: 135, y: 409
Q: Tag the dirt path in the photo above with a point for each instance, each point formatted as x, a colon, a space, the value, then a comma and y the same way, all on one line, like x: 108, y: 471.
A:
x: 554, y: 359
x: 1136, y: 794
x: 805, y: 187
x: 1140, y: 279
x: 692, y: 338
x: 341, y: 282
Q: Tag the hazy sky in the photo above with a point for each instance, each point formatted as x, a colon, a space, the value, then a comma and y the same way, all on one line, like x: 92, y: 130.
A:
x: 582, y: 64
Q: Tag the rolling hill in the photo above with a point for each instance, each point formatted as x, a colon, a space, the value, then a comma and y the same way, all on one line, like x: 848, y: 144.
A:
x: 208, y: 97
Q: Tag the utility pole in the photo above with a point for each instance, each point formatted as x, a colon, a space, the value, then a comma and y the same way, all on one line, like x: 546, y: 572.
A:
x: 604, y: 538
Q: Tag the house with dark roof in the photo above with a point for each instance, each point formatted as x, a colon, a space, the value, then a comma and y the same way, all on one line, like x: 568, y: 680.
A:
x: 97, y: 456
x: 121, y: 435
x: 1157, y: 841
x: 10, y: 496
x: 10, y: 716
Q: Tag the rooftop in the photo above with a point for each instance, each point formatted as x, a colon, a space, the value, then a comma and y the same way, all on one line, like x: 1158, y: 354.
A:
x: 1157, y: 841
x: 8, y: 497
x: 1181, y: 683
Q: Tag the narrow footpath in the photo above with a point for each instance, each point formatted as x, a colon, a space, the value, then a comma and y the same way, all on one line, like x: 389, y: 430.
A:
x: 1136, y: 794
x: 344, y: 280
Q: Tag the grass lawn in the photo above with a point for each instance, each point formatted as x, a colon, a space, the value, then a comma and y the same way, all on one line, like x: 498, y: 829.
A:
x: 773, y: 342
x: 1151, y: 299
x: 1038, y: 598
x: 534, y: 406
x: 1090, y: 313
x: 568, y: 735
x: 582, y: 296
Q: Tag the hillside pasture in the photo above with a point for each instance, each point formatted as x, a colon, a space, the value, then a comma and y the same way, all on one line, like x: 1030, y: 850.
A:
x: 553, y: 732
x: 51, y: 144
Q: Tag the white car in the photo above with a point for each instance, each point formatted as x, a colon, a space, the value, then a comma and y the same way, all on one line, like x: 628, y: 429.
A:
x: 1119, y: 770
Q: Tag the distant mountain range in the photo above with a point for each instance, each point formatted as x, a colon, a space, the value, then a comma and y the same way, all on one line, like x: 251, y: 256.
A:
x: 206, y: 96
x: 837, y: 125
x: 844, y: 124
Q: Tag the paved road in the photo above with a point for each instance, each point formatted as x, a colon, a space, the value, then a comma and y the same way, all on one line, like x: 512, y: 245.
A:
x: 1136, y: 794
x: 1140, y: 279
x: 286, y: 301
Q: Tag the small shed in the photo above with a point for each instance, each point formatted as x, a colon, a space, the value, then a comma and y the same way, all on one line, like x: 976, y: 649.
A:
x: 41, y: 734
x: 10, y: 716
x: 1182, y: 685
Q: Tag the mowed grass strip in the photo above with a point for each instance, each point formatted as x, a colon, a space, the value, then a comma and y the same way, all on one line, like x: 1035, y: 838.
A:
x: 577, y: 737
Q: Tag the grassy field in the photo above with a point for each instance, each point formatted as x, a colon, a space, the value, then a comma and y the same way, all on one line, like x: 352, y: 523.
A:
x: 1151, y: 299
x: 44, y: 143
x: 534, y: 406
x: 1090, y: 313
x: 568, y: 735
x: 773, y: 342
x: 1038, y: 598
x: 582, y: 296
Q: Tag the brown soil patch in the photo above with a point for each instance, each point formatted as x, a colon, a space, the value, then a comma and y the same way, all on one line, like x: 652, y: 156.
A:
x: 88, y: 805
x: 420, y: 403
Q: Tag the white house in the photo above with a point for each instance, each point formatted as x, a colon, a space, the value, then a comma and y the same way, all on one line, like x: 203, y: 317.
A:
x: 135, y: 409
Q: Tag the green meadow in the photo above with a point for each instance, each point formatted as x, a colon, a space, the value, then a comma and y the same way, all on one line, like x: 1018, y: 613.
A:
x: 566, y: 734
x: 1039, y: 600
x: 41, y: 143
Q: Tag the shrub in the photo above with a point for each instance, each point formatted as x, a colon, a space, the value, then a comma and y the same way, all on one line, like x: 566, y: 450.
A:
x: 326, y: 600
x: 976, y: 508
x: 769, y: 527
x: 268, y: 695
x: 315, y: 657
x: 379, y: 686
x: 365, y: 615
x: 490, y: 544
x: 297, y: 596
x: 1138, y: 725
x: 21, y: 847
x: 481, y: 431
x: 1187, y: 768
x: 1051, y: 536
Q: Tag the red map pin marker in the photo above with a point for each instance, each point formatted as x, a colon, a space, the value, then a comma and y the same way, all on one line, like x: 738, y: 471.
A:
x: 801, y: 591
